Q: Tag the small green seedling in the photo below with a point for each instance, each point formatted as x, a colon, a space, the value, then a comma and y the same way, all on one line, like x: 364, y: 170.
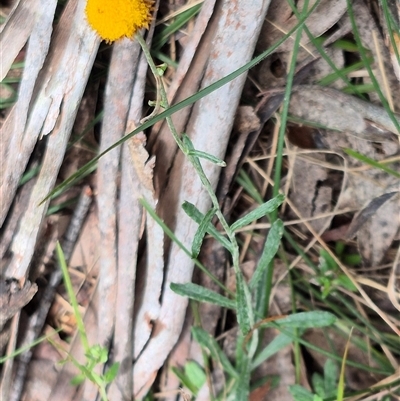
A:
x: 96, y: 354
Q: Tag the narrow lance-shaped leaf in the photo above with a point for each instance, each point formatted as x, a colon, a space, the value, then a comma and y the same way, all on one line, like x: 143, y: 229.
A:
x: 270, y: 249
x: 305, y: 320
x: 112, y: 372
x: 190, y: 148
x: 371, y: 162
x: 195, y: 373
x: 207, y: 156
x: 208, y: 342
x: 243, y: 305
x: 278, y: 343
x: 201, y: 231
x: 195, y: 214
x: 201, y: 294
x: 330, y: 377
x: 299, y: 393
x: 259, y: 212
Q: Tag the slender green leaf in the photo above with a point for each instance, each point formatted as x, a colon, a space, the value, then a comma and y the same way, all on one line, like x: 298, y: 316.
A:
x: 330, y: 377
x: 364, y: 58
x: 27, y: 347
x: 244, y: 181
x: 185, y: 381
x: 305, y: 320
x: 173, y: 237
x: 260, y: 211
x: 271, y: 247
x: 371, y: 162
x: 179, y: 21
x: 78, y: 379
x: 359, y: 89
x: 278, y: 343
x: 112, y: 372
x: 195, y: 214
x: 208, y: 342
x: 200, y: 233
x: 330, y: 78
x: 299, y: 393
x: 195, y: 373
x: 346, y: 45
x: 202, y: 294
x: 72, y: 297
x: 207, y: 156
x: 243, y: 304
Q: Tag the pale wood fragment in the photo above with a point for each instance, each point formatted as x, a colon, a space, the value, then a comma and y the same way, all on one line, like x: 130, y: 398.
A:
x: 13, y: 131
x: 25, y: 239
x: 118, y: 92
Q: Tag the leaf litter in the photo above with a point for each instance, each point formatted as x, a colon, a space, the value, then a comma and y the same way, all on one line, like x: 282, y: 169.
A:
x: 320, y: 184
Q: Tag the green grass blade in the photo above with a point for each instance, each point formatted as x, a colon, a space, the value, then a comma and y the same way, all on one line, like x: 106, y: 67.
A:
x: 72, y: 297
x: 179, y: 21
x: 371, y: 162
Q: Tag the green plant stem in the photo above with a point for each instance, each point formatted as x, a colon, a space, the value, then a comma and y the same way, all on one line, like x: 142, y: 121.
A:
x: 296, y: 345
x: 204, y: 180
x: 68, y: 285
x: 194, y: 160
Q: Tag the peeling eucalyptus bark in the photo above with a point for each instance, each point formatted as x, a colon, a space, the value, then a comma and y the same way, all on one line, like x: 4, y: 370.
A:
x: 12, y: 299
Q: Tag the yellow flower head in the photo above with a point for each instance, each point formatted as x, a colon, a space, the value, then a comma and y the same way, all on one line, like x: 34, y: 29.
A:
x: 115, y: 19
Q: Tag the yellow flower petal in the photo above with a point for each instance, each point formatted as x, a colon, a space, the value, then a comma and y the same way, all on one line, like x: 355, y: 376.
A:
x: 115, y: 19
